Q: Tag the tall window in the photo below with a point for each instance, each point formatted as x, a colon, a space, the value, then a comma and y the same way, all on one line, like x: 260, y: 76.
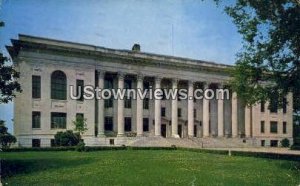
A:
x: 127, y: 84
x: 179, y: 112
x: 273, y: 127
x: 36, y: 86
x: 146, y: 103
x: 127, y: 101
x: 262, y: 126
x: 58, y: 120
x: 284, y: 104
x: 262, y: 106
x: 274, y: 104
x: 195, y: 113
x: 108, y: 84
x: 79, y: 88
x: 127, y: 125
x: 58, y: 85
x: 163, y: 111
x: 108, y: 123
x: 36, y: 120
x: 284, y: 127
x: 145, y: 124
x: 146, y: 85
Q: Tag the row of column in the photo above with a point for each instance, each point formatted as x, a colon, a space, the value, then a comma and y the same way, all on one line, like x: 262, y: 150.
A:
x: 174, y: 115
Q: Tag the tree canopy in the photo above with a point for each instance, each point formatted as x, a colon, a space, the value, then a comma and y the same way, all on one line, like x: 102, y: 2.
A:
x: 8, y: 76
x: 269, y: 64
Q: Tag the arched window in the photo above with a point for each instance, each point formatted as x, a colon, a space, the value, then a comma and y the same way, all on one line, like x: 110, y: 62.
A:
x: 58, y: 85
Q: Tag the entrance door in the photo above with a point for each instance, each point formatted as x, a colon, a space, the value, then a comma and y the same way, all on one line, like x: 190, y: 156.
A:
x: 163, y: 130
x: 180, y: 131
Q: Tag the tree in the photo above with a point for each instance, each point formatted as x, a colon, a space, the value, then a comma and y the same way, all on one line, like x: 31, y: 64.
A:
x: 6, y: 139
x: 80, y: 124
x: 8, y: 76
x: 269, y: 64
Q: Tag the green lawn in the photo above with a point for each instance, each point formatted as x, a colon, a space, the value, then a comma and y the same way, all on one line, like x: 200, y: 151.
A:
x: 145, y: 167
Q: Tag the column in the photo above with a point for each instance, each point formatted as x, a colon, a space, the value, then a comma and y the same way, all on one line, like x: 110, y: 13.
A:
x: 120, y: 106
x: 205, y: 114
x: 139, y: 106
x: 191, y: 109
x: 174, y: 111
x: 157, y: 110
x: 234, y: 115
x: 101, y: 105
x: 220, y: 115
x: 248, y: 121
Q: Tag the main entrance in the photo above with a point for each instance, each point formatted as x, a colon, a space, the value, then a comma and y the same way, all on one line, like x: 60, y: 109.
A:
x: 163, y: 130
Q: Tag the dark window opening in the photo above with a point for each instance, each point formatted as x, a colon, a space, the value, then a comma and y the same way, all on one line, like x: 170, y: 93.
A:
x: 145, y: 124
x: 36, y: 143
x: 284, y: 127
x: 274, y: 143
x: 163, y: 111
x: 179, y: 112
x: 79, y: 89
x: 273, y: 127
x: 58, y: 85
x: 108, y: 123
x: 127, y: 125
x: 58, y: 120
x: 262, y: 106
x: 146, y: 103
x: 262, y: 126
x: 36, y: 86
x: 262, y: 143
x: 36, y: 120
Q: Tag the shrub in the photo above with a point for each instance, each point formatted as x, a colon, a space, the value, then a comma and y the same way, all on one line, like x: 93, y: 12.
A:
x: 6, y: 139
x: 285, y: 142
x: 80, y: 147
x: 67, y: 138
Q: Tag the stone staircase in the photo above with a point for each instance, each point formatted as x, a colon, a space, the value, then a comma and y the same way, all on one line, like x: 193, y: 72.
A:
x: 209, y: 142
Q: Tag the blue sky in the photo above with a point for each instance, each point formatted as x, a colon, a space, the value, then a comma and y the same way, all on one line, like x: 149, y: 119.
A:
x: 192, y: 28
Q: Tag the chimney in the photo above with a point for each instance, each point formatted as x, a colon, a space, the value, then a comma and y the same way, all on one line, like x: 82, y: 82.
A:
x: 136, y: 47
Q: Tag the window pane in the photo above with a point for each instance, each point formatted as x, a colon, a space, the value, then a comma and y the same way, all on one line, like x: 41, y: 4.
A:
x: 79, y: 88
x: 36, y: 86
x: 58, y: 85
x: 145, y: 124
x: 36, y: 120
x: 284, y: 127
x: 58, y: 120
x: 273, y: 126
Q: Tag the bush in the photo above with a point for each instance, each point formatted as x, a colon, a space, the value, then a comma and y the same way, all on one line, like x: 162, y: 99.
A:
x: 80, y: 147
x: 295, y: 147
x: 67, y: 138
x: 285, y: 142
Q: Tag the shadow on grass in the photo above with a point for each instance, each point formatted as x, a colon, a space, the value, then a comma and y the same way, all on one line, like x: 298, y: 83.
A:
x: 11, y: 167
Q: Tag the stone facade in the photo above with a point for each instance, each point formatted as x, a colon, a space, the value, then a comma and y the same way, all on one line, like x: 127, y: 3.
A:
x: 204, y: 119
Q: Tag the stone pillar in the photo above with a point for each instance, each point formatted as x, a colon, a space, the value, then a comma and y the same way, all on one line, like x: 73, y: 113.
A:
x: 139, y: 106
x: 120, y: 106
x: 174, y: 111
x: 248, y: 121
x: 191, y: 109
x: 101, y: 105
x: 220, y: 116
x: 157, y: 110
x: 234, y: 115
x: 205, y: 114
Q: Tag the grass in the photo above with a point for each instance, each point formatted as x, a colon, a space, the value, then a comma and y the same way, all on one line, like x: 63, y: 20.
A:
x: 144, y: 167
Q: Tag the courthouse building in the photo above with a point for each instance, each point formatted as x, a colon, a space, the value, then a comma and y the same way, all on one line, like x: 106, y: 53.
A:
x: 49, y: 67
